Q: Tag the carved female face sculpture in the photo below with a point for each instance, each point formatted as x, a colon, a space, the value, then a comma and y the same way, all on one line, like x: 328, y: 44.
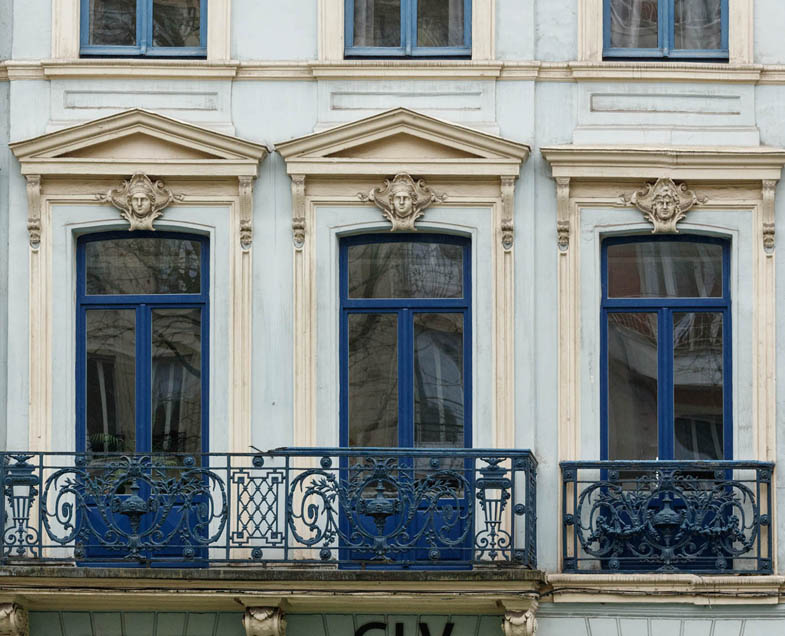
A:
x: 141, y: 204
x: 402, y: 200
x: 664, y: 205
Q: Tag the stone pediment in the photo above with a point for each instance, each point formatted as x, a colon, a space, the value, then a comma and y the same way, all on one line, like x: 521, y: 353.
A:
x: 402, y: 140
x: 138, y: 140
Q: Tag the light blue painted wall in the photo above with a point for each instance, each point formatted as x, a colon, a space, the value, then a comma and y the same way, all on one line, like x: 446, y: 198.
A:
x: 515, y: 29
x: 273, y: 30
x: 6, y: 162
x: 6, y: 29
x: 32, y: 36
x: 556, y: 30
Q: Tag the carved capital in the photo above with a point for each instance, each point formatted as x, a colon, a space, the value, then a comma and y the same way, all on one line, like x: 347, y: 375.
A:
x: 34, y: 210
x: 519, y: 623
x: 402, y: 200
x: 264, y: 621
x: 663, y: 203
x: 140, y: 200
x: 13, y: 620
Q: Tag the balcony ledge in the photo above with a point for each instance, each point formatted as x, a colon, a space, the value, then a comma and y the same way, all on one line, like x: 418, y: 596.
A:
x: 298, y: 590
x: 666, y: 588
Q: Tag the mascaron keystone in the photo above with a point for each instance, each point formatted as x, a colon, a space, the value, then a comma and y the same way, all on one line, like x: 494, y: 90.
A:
x: 664, y: 204
x: 402, y: 200
x: 264, y: 621
x: 140, y: 200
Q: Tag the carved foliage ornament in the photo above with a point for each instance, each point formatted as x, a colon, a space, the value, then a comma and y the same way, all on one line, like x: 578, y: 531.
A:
x: 402, y: 200
x: 664, y: 204
x: 13, y: 620
x: 519, y: 623
x: 140, y: 200
x: 264, y: 621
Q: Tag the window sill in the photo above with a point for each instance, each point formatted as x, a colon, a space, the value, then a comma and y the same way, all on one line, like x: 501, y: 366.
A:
x: 138, y: 68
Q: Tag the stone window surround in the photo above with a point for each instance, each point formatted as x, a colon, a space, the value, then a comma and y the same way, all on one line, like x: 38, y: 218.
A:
x: 740, y: 33
x: 65, y: 30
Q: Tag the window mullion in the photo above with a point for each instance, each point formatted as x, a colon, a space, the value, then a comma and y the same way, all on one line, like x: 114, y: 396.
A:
x: 143, y: 378
x: 144, y: 24
x: 408, y: 25
x: 665, y: 10
x: 665, y: 383
x: 405, y: 378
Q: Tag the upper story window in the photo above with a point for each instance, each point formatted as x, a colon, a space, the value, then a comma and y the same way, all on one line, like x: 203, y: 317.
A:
x: 673, y: 29
x: 153, y: 28
x: 408, y: 28
x: 666, y: 349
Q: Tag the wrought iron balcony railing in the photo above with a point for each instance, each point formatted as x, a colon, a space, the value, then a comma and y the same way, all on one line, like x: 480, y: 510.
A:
x: 330, y: 506
x: 669, y: 516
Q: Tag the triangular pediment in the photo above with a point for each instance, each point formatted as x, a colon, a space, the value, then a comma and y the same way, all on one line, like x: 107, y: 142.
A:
x: 136, y: 138
x: 400, y: 136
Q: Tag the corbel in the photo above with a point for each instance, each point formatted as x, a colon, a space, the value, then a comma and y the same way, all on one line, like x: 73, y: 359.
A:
x: 264, y: 621
x: 520, y: 618
x: 246, y: 212
x: 298, y: 211
x: 34, y: 210
x: 13, y: 620
x: 508, y: 205
x: 768, y: 189
x: 563, y: 214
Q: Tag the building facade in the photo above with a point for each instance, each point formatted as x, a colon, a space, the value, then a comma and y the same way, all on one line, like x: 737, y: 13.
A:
x: 341, y: 317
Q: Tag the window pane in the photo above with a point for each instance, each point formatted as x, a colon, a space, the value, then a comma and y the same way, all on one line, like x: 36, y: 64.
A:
x: 665, y: 269
x: 110, y: 380
x: 377, y: 22
x: 698, y: 385
x: 438, y: 380
x: 634, y: 24
x: 373, y: 380
x: 176, y: 23
x: 113, y: 22
x: 632, y: 386
x: 440, y: 23
x: 698, y: 24
x: 177, y: 380
x: 143, y: 266
x: 405, y: 270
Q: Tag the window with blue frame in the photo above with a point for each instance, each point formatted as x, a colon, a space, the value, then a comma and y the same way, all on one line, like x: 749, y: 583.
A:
x: 408, y: 28
x: 405, y: 341
x: 142, y: 333
x: 151, y: 28
x: 671, y: 29
x: 666, y: 349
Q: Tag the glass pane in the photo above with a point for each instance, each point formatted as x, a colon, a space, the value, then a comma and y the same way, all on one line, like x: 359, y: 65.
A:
x: 440, y: 23
x: 665, y: 269
x: 632, y: 386
x: 177, y: 380
x: 438, y: 380
x: 176, y: 23
x: 143, y: 266
x: 377, y: 22
x: 634, y: 24
x: 110, y: 380
x: 697, y: 385
x: 406, y: 270
x: 697, y: 24
x: 373, y: 380
x: 113, y: 22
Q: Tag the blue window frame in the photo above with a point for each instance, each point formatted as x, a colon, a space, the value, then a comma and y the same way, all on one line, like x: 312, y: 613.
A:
x: 671, y: 29
x: 407, y: 28
x: 142, y: 329
x: 666, y: 349
x: 143, y: 28
x: 405, y: 341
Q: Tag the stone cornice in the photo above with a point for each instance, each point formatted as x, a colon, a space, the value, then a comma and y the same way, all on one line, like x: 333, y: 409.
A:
x: 309, y: 70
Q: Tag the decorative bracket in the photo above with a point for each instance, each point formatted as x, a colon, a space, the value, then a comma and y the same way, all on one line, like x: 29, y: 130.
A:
x: 563, y: 213
x: 140, y: 200
x: 508, y: 202
x: 402, y: 200
x: 34, y: 210
x: 13, y: 620
x: 769, y: 187
x: 298, y: 211
x: 519, y: 623
x: 663, y: 203
x: 264, y: 621
x: 246, y: 212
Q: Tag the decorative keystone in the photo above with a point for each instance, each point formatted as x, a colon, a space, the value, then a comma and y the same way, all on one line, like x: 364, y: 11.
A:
x: 402, y: 200
x: 264, y: 621
x: 664, y: 204
x: 13, y: 620
x: 140, y: 201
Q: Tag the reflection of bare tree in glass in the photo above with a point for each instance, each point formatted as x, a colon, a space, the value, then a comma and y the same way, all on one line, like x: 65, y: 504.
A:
x: 176, y: 23
x: 113, y: 22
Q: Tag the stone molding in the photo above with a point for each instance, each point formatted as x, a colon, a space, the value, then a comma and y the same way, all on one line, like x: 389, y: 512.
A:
x: 264, y: 621
x: 13, y: 620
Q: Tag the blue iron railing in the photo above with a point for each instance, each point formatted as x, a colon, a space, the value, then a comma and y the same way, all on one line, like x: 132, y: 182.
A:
x: 668, y: 516
x: 349, y: 507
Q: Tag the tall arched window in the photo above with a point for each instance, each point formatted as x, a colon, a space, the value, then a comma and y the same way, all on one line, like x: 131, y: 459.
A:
x: 666, y: 349
x: 142, y: 336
